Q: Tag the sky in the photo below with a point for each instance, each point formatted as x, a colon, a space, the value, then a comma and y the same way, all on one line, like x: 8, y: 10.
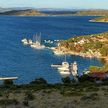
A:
x: 69, y: 4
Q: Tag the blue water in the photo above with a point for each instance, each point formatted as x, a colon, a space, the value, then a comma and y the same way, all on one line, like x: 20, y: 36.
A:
x: 27, y: 63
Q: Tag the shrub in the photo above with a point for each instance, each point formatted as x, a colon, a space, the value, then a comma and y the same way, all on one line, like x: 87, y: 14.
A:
x: 29, y: 96
x: 86, y: 78
x: 25, y: 103
x: 39, y: 81
x: 8, y: 102
x: 92, y: 96
x: 8, y: 83
x: 66, y: 80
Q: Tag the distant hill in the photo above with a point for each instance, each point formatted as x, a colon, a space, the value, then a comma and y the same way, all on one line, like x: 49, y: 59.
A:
x: 51, y: 12
x: 96, y: 12
x: 59, y: 12
x: 38, y: 12
x: 27, y: 12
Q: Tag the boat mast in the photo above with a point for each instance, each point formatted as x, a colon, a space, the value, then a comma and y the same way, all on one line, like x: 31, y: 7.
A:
x: 40, y: 38
x: 36, y: 39
x: 65, y: 58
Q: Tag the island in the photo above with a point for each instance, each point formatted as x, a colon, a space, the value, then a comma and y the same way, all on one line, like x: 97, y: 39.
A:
x: 100, y: 19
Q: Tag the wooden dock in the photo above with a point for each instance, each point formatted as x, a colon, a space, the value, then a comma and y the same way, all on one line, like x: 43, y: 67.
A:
x: 8, y: 78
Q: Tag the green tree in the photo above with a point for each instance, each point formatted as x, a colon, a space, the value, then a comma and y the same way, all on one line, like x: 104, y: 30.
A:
x: 39, y: 81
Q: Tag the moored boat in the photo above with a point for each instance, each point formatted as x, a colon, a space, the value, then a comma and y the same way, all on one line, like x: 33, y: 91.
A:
x: 25, y: 41
x: 37, y: 43
x: 64, y: 68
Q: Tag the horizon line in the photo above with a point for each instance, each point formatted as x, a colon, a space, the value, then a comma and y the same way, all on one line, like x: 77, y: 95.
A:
x: 56, y: 8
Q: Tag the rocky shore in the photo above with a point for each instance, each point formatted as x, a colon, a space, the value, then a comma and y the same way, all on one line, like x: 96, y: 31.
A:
x: 91, y: 46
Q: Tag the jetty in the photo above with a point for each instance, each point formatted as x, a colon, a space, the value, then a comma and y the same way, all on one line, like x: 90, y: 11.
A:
x: 8, y: 78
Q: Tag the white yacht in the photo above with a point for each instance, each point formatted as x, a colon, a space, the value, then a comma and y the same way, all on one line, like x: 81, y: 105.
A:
x: 64, y: 66
x: 25, y: 41
x: 30, y: 42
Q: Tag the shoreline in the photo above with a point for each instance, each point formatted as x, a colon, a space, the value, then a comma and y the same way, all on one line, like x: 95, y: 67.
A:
x: 65, y: 51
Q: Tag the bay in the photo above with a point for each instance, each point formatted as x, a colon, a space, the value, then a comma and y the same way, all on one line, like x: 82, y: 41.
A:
x: 27, y: 63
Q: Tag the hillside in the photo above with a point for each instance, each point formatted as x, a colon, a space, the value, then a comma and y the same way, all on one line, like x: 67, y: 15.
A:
x: 38, y: 12
x: 87, y: 46
x: 44, y: 12
x: 27, y: 12
x: 92, y: 13
x: 91, y: 46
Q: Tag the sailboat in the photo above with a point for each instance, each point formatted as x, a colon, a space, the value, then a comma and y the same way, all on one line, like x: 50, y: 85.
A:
x: 37, y: 42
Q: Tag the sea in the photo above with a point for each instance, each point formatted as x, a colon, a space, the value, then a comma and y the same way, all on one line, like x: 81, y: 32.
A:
x: 26, y: 63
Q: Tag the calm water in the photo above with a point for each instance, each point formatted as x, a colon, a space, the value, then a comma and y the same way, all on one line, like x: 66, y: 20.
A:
x: 27, y: 63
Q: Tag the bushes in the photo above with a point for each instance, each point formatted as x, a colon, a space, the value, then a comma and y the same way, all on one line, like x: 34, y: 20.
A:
x: 25, y: 103
x: 39, y: 81
x: 92, y: 96
x: 8, y: 83
x: 8, y: 102
x: 71, y: 93
x: 29, y: 96
x: 66, y: 80
x: 86, y: 78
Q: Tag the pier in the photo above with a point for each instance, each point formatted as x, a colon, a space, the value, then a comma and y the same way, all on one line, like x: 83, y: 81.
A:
x: 8, y: 78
